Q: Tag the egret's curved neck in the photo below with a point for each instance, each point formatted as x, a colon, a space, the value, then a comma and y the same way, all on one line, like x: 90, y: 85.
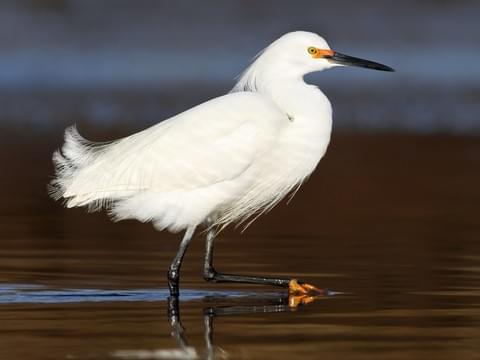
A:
x: 286, y: 87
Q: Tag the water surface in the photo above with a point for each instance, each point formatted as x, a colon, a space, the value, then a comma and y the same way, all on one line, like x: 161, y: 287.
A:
x: 390, y: 223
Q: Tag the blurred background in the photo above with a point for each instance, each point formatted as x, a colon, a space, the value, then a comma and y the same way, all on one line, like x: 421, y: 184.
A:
x: 390, y: 217
x: 111, y: 62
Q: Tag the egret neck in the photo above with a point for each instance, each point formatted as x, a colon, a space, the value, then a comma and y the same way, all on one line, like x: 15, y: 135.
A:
x: 310, y: 114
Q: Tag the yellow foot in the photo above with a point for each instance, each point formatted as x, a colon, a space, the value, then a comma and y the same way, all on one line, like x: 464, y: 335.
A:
x: 300, y: 288
x: 302, y: 293
x: 296, y: 300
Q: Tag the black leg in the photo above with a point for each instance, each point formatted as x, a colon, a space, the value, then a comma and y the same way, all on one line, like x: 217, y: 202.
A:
x: 211, y: 275
x: 173, y: 274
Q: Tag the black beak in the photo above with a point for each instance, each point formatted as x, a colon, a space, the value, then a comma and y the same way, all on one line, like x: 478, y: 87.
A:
x: 353, y: 61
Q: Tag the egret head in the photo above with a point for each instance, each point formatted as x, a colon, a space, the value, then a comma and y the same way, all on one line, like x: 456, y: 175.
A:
x: 306, y: 52
x: 296, y: 54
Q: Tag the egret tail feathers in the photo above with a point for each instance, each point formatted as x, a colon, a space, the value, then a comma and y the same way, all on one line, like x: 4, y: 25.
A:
x: 75, y: 154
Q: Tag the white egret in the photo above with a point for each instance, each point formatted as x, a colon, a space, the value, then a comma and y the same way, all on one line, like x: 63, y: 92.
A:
x: 227, y: 160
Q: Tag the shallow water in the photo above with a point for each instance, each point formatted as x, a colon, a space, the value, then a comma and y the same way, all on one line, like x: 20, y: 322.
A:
x: 388, y: 223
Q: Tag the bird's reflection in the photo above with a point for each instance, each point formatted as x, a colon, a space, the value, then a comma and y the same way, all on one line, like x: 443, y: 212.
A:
x: 268, y: 303
x: 244, y: 303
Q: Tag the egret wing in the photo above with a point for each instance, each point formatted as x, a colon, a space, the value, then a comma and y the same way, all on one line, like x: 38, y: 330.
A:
x: 211, y: 143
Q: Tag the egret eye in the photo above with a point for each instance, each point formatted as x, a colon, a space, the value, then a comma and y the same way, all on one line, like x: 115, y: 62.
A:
x: 312, y: 50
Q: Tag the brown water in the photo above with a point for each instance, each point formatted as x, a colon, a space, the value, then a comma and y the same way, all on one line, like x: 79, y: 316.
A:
x: 390, y: 223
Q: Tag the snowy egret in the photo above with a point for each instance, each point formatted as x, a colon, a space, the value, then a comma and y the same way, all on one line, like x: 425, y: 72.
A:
x: 227, y: 160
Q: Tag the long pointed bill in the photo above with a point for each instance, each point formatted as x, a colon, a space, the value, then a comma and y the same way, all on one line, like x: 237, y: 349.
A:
x: 346, y: 60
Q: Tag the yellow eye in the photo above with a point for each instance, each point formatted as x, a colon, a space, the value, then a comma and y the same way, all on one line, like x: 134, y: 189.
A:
x: 312, y: 50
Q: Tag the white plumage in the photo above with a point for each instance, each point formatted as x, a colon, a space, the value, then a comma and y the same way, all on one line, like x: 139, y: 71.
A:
x: 228, y: 159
